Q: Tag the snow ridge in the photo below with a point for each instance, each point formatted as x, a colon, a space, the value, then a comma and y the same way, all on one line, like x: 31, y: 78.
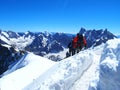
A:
x: 63, y: 74
x: 109, y: 68
x: 89, y: 74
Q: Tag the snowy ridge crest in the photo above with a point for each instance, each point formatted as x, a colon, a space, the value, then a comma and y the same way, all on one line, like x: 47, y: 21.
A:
x: 96, y: 37
x: 109, y: 67
x: 63, y: 74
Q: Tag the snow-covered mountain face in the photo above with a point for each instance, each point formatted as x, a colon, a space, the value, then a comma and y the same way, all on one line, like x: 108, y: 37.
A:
x: 40, y: 43
x: 110, y: 67
x: 39, y: 40
x: 96, y: 37
x: 46, y: 43
x: 8, y: 56
x: 17, y: 40
x: 4, y: 37
x: 109, y: 71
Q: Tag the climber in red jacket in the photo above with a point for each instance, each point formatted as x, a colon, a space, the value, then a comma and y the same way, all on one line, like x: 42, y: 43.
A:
x: 79, y: 42
x: 76, y: 44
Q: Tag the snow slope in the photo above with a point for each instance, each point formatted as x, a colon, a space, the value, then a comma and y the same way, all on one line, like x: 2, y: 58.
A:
x: 16, y: 65
x: 43, y: 74
x: 4, y: 37
x: 34, y: 66
x: 90, y: 74
x: 109, y: 73
x: 63, y: 74
x: 100, y: 65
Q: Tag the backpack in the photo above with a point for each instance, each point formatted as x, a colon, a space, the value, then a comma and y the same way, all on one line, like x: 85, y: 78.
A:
x: 80, y: 40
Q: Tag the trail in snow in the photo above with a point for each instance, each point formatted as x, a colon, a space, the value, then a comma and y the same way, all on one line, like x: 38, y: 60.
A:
x: 89, y: 74
x: 63, y: 74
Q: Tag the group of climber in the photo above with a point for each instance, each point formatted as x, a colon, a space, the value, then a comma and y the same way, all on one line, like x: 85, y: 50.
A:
x: 76, y: 45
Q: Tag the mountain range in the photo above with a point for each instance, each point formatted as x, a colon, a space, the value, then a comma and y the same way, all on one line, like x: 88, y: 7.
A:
x: 45, y: 43
x: 42, y: 43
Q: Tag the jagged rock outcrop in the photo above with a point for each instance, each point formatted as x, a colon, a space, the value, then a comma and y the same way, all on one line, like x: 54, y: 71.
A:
x: 49, y: 43
x: 96, y: 37
x: 8, y: 56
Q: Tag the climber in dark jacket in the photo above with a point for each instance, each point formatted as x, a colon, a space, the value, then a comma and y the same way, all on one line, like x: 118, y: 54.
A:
x: 70, y: 46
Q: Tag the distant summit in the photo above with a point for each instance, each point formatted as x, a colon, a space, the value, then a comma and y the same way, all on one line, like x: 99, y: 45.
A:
x: 96, y: 37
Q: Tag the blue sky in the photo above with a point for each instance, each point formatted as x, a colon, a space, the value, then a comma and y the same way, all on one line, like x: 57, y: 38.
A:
x: 59, y: 15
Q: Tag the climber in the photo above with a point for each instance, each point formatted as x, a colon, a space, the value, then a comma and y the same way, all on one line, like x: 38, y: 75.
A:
x: 71, y: 48
x: 81, y: 42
